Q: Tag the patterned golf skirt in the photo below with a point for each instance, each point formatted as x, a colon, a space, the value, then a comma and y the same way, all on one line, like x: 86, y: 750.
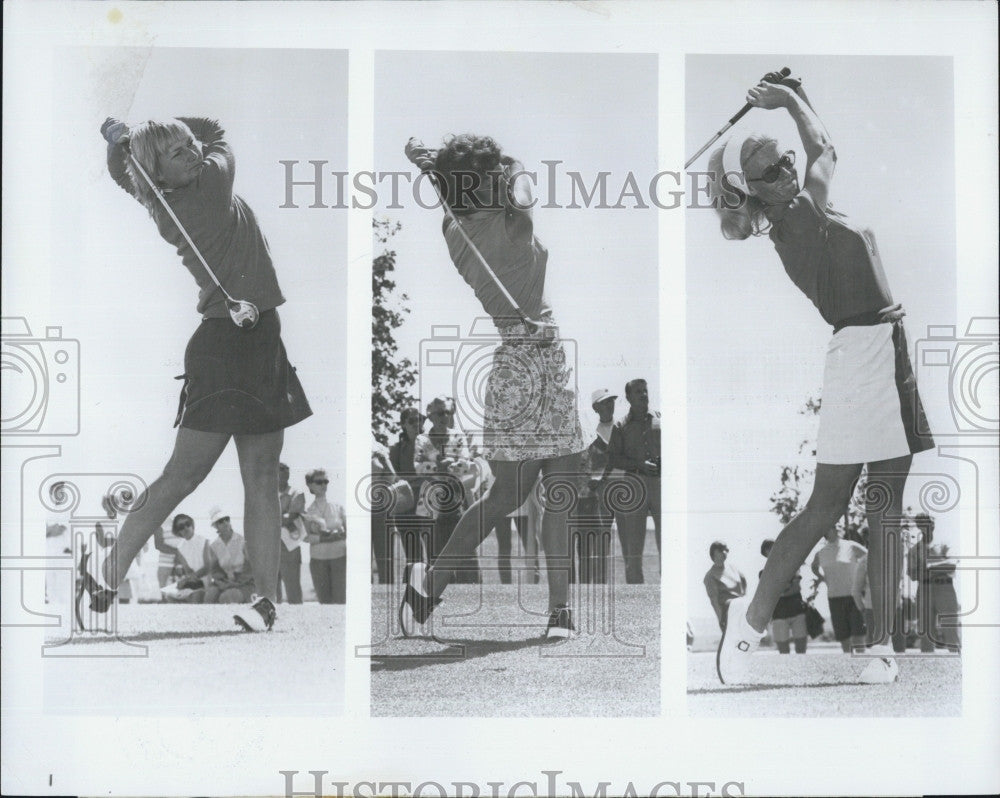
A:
x: 530, y: 404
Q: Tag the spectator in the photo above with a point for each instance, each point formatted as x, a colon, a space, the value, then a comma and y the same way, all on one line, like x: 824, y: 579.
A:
x: 326, y: 524
x: 410, y: 526
x: 788, y: 622
x: 441, y: 456
x: 635, y: 449
x: 293, y: 532
x: 592, y: 530
x: 937, y: 603
x: 723, y: 582
x: 231, y: 580
x: 842, y: 565
x: 192, y: 561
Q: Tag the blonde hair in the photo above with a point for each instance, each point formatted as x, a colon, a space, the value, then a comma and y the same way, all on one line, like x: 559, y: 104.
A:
x: 147, y: 142
x: 741, y: 215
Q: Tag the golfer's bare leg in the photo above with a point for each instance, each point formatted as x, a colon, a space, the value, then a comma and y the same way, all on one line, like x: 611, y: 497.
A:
x: 884, y: 500
x: 555, y: 531
x: 511, y: 485
x: 259, y: 456
x: 831, y: 491
x: 194, y: 454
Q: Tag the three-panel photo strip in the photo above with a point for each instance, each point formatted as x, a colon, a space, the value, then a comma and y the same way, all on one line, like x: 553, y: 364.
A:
x: 663, y: 464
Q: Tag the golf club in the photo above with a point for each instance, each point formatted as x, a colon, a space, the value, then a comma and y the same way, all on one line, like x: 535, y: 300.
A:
x: 243, y: 313
x: 770, y: 77
x: 547, y: 331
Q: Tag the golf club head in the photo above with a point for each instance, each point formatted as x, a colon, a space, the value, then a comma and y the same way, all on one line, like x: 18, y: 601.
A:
x: 244, y: 314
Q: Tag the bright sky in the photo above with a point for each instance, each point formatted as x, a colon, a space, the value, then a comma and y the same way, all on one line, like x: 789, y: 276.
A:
x: 117, y: 287
x: 601, y: 279
x: 756, y: 344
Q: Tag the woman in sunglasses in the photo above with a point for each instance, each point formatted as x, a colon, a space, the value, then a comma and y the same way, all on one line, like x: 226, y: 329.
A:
x: 326, y: 525
x: 871, y: 411
x: 238, y: 383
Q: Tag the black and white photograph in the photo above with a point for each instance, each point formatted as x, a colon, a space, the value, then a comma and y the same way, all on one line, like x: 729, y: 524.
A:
x: 840, y: 557
x: 178, y: 326
x: 499, y: 399
x: 515, y: 380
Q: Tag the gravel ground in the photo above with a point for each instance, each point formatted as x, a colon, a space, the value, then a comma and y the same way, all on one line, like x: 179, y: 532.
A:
x: 190, y: 659
x: 489, y: 660
x: 823, y: 683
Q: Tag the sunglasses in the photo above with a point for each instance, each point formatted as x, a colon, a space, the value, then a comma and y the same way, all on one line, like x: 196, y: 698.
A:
x: 184, y: 525
x: 773, y: 172
x: 321, y: 482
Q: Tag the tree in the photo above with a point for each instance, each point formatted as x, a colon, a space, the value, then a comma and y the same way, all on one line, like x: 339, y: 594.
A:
x: 392, y: 377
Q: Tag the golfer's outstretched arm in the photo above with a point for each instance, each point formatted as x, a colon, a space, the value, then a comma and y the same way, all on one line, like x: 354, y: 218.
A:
x: 821, y: 157
x: 219, y: 163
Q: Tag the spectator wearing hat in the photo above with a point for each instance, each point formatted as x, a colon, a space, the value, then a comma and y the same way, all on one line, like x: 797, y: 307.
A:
x: 634, y: 448
x: 231, y: 580
x: 293, y: 533
x: 723, y: 582
x: 442, y: 458
x: 326, y: 524
x: 937, y: 603
x: 192, y: 561
x: 410, y: 526
x: 592, y: 523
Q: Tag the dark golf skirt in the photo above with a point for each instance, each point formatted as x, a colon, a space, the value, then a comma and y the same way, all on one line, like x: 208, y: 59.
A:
x: 239, y: 381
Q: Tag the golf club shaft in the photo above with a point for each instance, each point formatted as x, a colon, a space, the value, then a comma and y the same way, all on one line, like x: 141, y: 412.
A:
x: 783, y: 73
x: 173, y: 216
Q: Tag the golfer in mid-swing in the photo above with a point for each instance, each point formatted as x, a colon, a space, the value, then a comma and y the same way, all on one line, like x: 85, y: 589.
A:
x: 531, y: 425
x: 871, y: 412
x: 238, y: 382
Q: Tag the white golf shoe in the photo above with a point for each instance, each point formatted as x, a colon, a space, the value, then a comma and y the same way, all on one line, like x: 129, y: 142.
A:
x: 883, y: 670
x: 739, y: 641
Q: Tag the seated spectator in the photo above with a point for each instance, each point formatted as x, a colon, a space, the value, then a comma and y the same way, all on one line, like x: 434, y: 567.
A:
x: 326, y: 528
x: 191, y: 561
x: 230, y: 577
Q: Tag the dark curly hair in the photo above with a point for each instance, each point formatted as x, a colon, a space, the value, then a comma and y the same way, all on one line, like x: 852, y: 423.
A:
x: 463, y: 162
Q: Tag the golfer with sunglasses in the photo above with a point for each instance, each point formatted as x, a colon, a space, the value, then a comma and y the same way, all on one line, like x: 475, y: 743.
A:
x: 871, y: 412
x: 238, y: 383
